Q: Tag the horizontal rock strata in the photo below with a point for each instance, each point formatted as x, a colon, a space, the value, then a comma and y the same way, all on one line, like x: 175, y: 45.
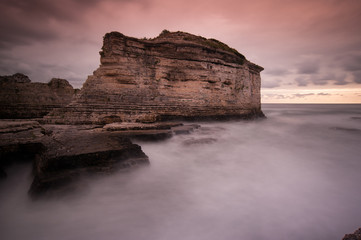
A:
x: 21, y: 98
x: 176, y: 75
x: 150, y: 131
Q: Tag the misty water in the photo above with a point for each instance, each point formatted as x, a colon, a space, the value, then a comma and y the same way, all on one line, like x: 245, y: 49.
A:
x: 295, y: 175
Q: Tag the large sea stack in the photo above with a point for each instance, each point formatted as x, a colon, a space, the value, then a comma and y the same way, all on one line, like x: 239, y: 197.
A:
x: 176, y: 75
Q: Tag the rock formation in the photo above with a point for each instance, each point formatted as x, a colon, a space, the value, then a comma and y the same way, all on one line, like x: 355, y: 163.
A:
x: 20, y: 98
x: 140, y: 84
x: 62, y: 153
x: 75, y: 152
x: 176, y: 75
x: 354, y: 236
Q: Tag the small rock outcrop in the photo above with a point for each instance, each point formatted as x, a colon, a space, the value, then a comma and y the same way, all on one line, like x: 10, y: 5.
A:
x: 176, y: 75
x: 354, y: 236
x: 21, y: 98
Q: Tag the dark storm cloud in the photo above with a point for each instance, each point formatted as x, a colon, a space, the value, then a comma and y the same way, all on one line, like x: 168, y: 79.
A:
x: 22, y: 21
x: 324, y: 69
x: 308, y: 67
x: 26, y: 21
x: 17, y: 33
x: 357, y: 76
x: 276, y: 71
x: 322, y: 79
x: 10, y: 65
x: 268, y: 83
x: 351, y: 62
x: 341, y: 80
x: 301, y: 81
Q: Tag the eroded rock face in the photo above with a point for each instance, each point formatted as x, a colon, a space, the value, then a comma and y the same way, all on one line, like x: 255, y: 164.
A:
x: 176, y: 75
x: 20, y: 98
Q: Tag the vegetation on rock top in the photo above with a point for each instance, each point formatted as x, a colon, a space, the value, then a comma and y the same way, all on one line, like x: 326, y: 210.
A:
x: 210, y: 42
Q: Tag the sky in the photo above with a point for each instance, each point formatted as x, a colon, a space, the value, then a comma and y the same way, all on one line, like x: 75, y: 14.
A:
x: 310, y: 49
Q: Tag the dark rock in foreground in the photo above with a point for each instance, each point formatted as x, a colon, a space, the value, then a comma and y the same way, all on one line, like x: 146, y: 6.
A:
x: 20, y: 141
x: 21, y: 98
x: 61, y: 154
x: 82, y: 152
x: 354, y: 236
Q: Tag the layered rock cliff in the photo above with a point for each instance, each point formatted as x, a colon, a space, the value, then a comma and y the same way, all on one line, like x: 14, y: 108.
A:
x: 176, y: 75
x: 21, y: 98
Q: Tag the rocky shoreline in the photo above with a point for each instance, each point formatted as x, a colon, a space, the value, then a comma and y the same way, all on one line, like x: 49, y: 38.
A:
x: 61, y: 154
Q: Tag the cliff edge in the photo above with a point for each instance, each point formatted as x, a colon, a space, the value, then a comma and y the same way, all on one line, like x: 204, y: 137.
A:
x: 176, y: 75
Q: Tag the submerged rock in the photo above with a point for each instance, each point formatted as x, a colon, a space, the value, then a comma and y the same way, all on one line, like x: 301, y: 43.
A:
x: 176, y: 75
x: 193, y: 141
x: 352, y: 130
x: 185, y: 129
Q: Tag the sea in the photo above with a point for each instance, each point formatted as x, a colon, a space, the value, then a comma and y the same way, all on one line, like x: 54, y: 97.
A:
x: 295, y: 175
